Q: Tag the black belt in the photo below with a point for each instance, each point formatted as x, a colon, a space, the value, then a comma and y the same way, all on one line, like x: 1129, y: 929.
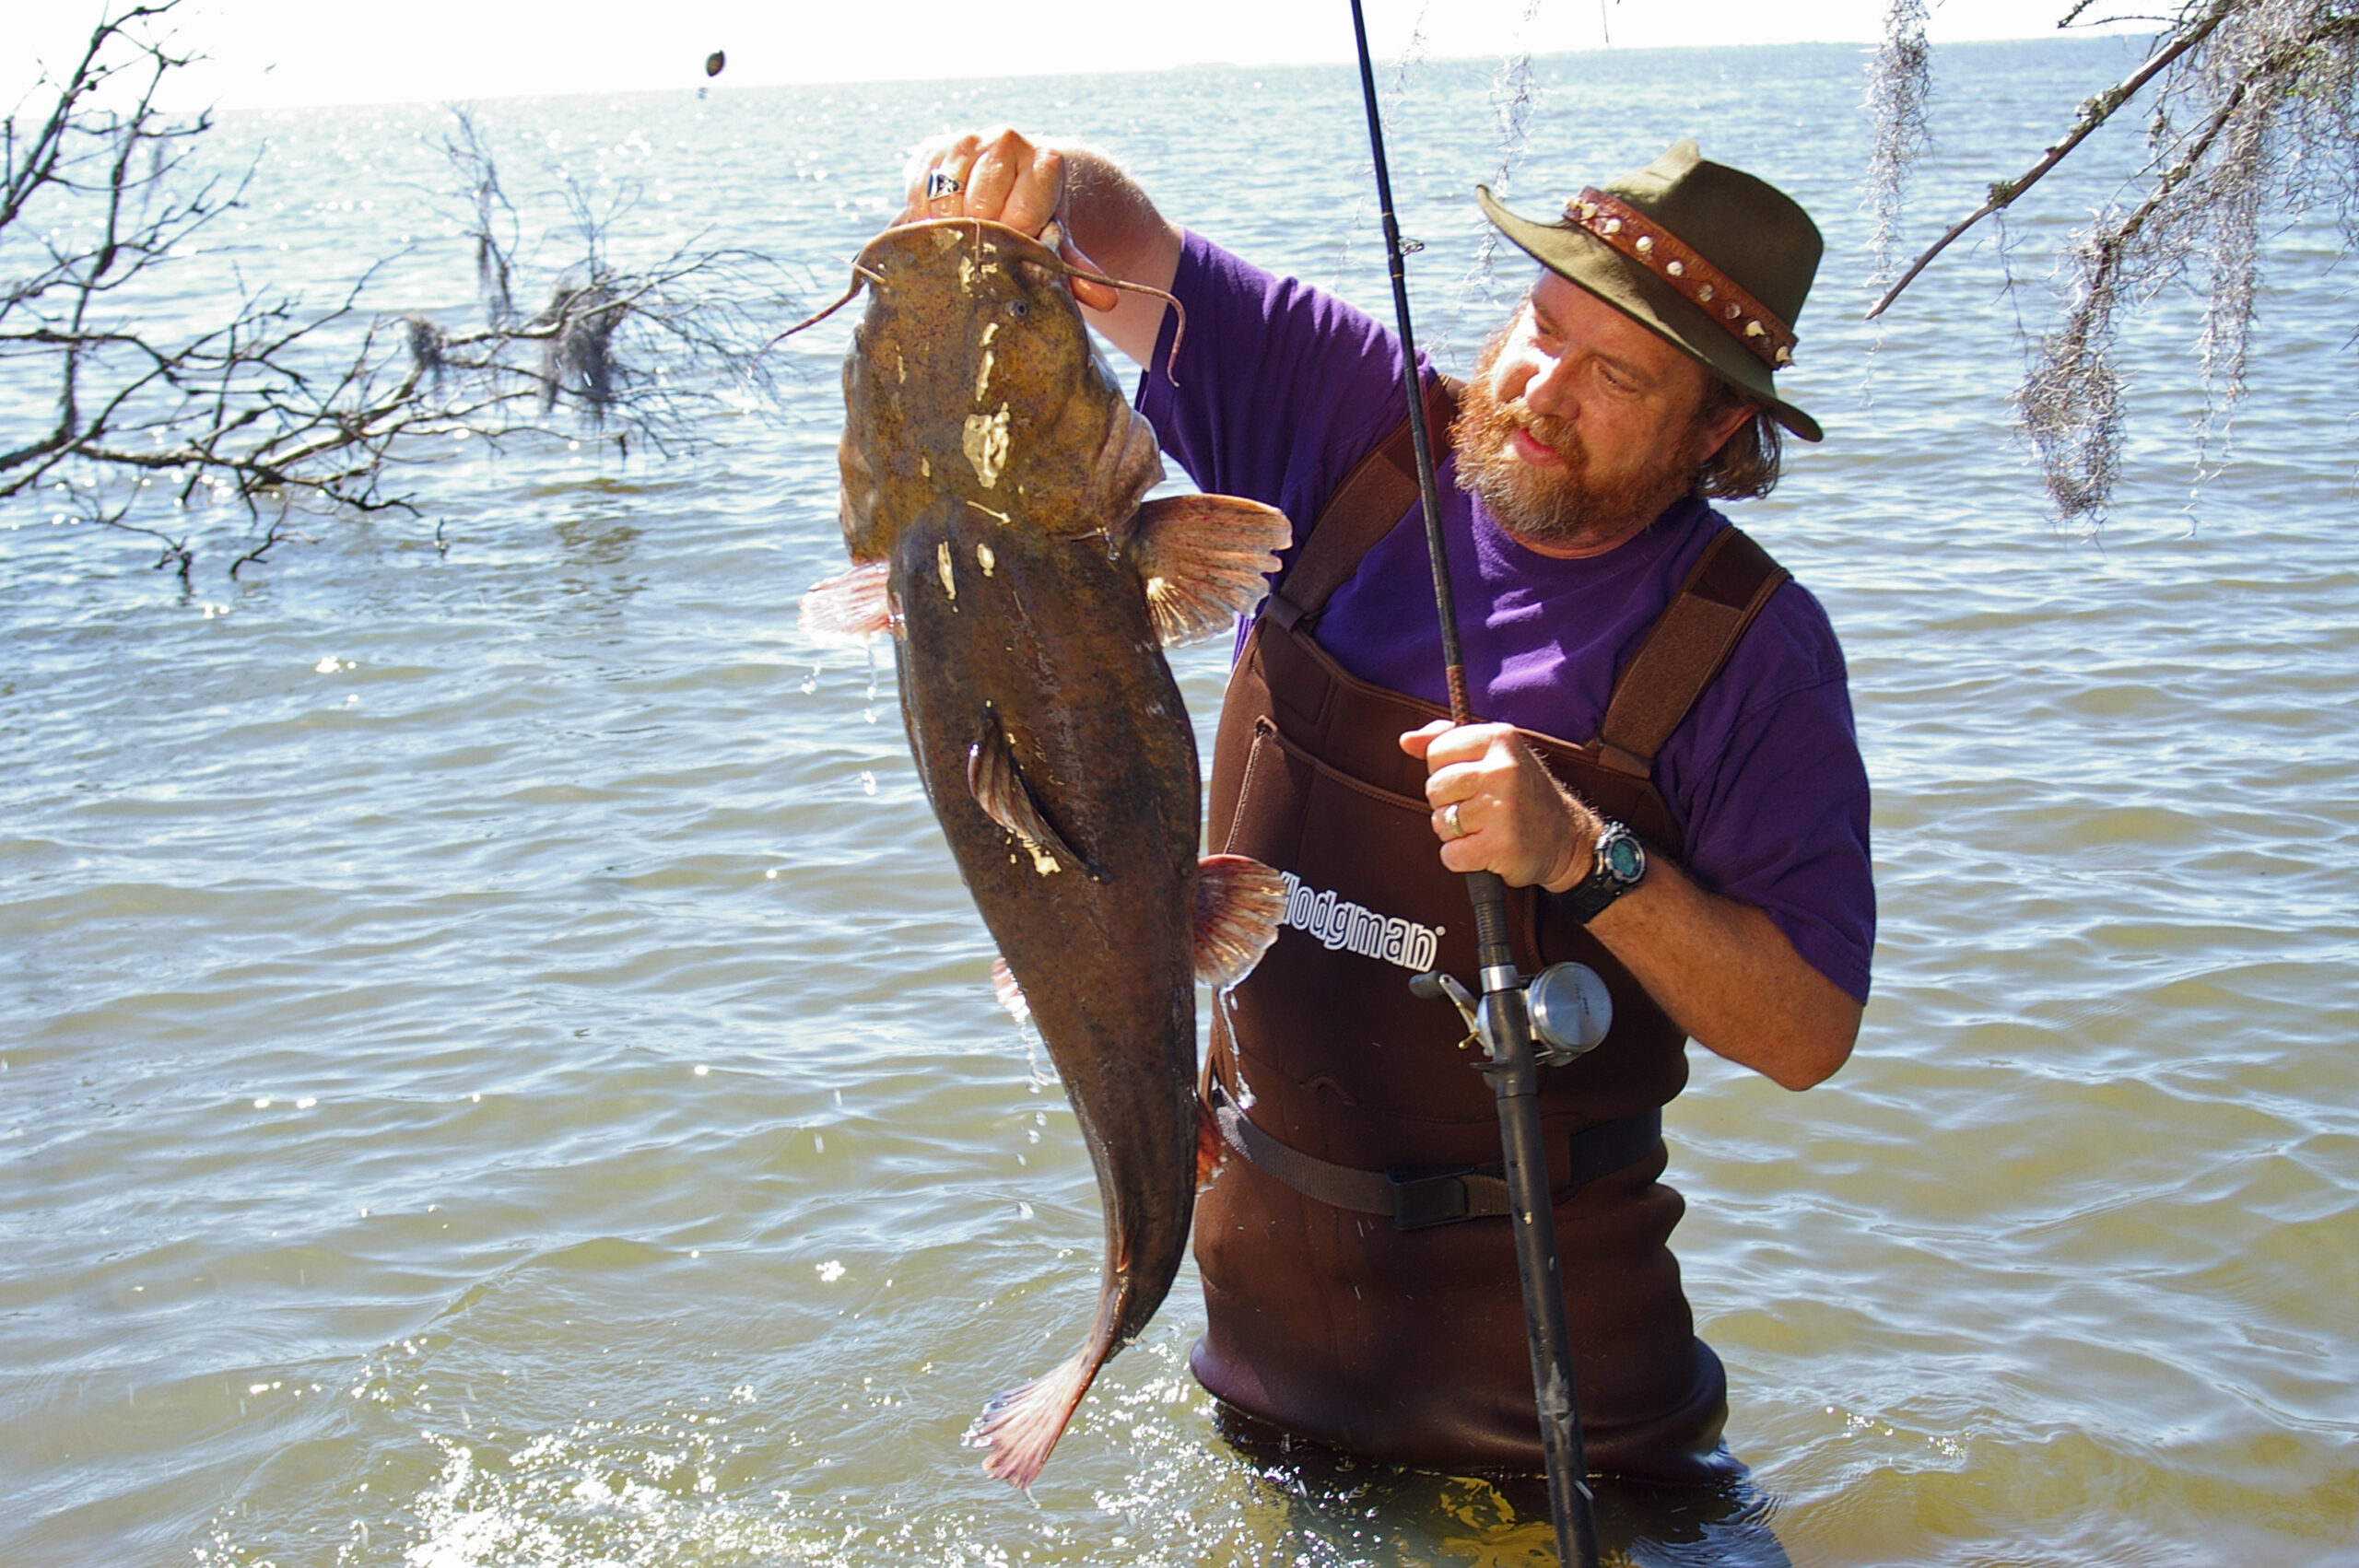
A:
x: 1418, y: 1195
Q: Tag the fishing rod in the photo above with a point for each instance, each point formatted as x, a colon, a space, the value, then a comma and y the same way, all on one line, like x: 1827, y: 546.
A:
x: 1505, y: 1016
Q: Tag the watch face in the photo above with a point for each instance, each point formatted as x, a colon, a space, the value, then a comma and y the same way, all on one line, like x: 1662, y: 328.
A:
x: 1624, y: 860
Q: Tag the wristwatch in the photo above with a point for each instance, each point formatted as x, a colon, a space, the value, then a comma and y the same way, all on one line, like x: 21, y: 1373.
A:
x: 1620, y: 865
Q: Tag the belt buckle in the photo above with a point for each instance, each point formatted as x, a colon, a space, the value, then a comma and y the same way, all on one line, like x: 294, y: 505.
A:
x: 1426, y: 1196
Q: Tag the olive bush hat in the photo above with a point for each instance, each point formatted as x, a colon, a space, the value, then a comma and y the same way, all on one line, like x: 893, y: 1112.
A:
x: 1712, y: 259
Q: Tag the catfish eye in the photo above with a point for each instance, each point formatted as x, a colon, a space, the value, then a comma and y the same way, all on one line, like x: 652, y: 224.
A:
x: 1019, y: 309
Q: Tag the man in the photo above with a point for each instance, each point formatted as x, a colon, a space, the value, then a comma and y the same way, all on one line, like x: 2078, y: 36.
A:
x: 1669, y: 784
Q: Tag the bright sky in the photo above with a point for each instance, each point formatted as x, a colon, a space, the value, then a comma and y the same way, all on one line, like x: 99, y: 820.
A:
x: 281, y: 52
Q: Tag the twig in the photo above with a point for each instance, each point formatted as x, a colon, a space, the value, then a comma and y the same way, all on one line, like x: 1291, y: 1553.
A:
x: 2094, y: 113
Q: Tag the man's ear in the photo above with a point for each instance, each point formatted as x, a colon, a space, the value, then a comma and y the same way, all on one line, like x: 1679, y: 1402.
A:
x: 1713, y: 432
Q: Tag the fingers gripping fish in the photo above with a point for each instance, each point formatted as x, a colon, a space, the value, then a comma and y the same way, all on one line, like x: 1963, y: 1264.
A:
x: 993, y: 477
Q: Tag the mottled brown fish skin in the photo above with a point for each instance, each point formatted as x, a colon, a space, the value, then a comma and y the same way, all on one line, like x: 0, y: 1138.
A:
x: 1017, y: 608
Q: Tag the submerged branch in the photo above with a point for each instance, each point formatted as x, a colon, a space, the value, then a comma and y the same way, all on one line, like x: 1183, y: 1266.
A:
x: 277, y: 411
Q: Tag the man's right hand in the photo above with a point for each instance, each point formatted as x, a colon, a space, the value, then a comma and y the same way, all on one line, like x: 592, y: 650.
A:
x: 1004, y: 177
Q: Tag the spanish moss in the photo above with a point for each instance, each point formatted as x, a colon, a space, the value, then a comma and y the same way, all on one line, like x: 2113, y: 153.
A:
x: 2254, y: 123
x: 578, y: 359
x: 1899, y: 85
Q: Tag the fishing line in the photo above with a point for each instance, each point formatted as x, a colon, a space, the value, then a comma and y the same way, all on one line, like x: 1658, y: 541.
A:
x: 1412, y: 57
x: 1512, y: 96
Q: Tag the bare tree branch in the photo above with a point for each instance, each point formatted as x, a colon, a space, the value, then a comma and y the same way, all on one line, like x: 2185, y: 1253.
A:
x: 2093, y: 113
x: 263, y: 411
x: 2256, y: 110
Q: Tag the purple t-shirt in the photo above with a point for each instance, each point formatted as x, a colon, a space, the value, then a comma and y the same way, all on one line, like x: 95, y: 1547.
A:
x: 1282, y: 390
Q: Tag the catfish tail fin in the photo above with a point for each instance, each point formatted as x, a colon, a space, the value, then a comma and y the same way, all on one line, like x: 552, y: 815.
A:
x: 1021, y: 1426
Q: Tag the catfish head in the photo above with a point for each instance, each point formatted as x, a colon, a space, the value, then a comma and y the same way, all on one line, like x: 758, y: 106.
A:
x: 971, y: 375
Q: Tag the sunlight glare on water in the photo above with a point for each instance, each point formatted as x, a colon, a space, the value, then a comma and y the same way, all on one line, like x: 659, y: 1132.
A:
x: 499, y: 1069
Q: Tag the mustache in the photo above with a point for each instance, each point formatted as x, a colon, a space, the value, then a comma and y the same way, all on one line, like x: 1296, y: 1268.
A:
x: 1501, y: 420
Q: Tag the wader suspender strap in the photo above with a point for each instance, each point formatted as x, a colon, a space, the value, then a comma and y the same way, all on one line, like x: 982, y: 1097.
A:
x: 1682, y: 654
x: 1373, y: 496
x: 1684, y: 650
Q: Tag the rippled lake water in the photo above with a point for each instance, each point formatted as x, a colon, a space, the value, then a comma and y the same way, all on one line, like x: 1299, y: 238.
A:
x: 498, y: 1067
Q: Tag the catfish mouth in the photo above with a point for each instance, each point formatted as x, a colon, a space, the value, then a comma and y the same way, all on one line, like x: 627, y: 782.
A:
x: 1041, y: 251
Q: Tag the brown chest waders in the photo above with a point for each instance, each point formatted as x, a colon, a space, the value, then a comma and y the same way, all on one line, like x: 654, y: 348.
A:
x: 1361, y: 1288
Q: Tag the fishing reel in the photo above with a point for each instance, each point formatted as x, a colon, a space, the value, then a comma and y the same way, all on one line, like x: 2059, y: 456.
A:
x: 1570, y: 1007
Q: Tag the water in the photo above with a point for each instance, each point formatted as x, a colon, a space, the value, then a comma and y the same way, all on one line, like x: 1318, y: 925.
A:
x: 498, y: 1068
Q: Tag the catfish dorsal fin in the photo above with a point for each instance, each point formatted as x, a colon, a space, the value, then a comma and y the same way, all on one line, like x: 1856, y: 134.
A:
x: 1239, y: 903
x: 999, y: 788
x: 1203, y: 560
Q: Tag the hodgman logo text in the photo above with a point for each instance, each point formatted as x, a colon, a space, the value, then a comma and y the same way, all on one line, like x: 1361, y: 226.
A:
x: 1337, y: 923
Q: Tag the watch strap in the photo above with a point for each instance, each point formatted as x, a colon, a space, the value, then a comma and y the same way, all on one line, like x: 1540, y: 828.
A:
x: 1588, y: 897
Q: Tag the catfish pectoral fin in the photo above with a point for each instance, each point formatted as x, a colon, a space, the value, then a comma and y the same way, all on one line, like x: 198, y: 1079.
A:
x: 857, y: 603
x: 1000, y: 790
x: 1239, y: 903
x: 1204, y: 560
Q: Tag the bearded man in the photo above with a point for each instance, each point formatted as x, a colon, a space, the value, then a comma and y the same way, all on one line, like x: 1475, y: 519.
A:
x: 1667, y: 781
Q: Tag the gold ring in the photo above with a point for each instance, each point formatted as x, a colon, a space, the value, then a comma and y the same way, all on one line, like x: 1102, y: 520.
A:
x: 1449, y: 820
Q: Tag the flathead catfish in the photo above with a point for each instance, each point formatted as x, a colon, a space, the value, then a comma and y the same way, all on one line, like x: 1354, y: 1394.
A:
x: 993, y: 477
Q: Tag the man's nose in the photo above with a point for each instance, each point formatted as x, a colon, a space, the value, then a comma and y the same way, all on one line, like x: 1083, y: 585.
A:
x: 1549, y: 389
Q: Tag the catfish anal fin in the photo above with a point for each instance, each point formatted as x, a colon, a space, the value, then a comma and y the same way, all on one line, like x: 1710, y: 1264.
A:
x: 1203, y: 560
x: 1000, y: 790
x: 1211, y: 1147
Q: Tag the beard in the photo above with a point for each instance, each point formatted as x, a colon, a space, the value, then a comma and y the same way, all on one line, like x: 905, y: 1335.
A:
x: 1574, y: 506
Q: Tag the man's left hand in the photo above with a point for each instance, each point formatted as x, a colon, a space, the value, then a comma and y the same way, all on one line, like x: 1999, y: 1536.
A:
x: 1722, y: 970
x: 1496, y: 808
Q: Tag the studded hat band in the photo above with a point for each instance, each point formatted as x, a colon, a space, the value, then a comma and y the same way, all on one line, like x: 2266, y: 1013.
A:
x: 1643, y: 239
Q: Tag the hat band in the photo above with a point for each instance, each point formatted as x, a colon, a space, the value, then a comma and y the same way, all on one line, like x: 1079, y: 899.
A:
x: 1644, y: 240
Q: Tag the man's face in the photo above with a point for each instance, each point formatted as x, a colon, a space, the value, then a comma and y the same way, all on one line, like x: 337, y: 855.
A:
x: 1580, y: 425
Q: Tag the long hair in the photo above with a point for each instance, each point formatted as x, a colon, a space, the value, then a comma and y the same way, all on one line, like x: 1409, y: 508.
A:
x: 1746, y: 466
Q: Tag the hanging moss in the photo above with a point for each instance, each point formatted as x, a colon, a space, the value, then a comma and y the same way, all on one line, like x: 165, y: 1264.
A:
x: 2253, y: 120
